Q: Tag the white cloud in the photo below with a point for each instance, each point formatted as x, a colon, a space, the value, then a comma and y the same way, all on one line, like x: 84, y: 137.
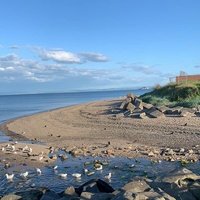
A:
x: 61, y: 56
x: 94, y: 57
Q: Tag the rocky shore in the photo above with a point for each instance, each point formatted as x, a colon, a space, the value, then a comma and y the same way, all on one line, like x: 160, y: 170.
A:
x: 180, y: 184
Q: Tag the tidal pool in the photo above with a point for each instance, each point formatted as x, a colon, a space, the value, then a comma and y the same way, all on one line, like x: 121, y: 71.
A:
x: 122, y: 169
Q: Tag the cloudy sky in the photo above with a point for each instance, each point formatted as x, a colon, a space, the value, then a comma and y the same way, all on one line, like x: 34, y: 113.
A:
x: 67, y: 45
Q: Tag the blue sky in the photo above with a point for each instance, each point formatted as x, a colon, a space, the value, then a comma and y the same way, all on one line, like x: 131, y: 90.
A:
x: 66, y: 45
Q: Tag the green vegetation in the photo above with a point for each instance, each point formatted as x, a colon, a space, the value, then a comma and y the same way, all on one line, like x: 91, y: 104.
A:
x: 186, y: 95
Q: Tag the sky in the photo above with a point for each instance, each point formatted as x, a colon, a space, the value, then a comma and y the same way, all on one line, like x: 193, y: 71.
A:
x: 70, y: 45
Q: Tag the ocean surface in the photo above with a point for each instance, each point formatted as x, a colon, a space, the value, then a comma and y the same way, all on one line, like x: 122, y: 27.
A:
x: 12, y: 106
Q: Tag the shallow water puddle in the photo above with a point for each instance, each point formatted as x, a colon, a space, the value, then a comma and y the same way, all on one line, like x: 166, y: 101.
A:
x: 122, y: 169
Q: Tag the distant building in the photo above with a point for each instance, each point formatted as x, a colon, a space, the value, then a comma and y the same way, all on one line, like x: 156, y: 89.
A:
x: 187, y: 78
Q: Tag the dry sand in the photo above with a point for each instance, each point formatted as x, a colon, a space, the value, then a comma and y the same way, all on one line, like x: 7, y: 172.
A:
x: 92, y: 126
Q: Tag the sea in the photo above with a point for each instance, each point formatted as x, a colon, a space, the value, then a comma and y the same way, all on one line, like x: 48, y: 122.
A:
x: 12, y: 106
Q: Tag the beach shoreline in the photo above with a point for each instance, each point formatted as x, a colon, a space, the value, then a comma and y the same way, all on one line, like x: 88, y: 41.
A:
x: 91, y: 129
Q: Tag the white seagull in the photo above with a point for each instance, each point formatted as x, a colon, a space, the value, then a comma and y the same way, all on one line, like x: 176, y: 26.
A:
x: 62, y: 175
x: 76, y: 175
x: 9, y: 177
x: 24, y: 175
x: 108, y: 176
x: 38, y: 170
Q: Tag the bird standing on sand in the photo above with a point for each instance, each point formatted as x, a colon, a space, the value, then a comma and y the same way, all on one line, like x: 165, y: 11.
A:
x: 9, y: 177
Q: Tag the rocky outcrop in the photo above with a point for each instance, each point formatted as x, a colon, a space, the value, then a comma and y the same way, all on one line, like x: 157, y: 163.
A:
x: 132, y: 106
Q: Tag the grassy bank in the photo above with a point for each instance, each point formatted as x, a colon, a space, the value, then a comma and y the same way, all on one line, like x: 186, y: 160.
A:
x: 187, y: 95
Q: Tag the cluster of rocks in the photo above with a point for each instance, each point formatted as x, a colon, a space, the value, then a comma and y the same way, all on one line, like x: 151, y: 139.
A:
x: 134, y: 107
x: 180, y: 184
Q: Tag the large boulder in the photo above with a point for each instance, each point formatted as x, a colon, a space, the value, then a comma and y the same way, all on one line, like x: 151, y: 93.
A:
x: 95, y: 186
x: 130, y: 107
x: 11, y: 197
x: 30, y: 194
x: 154, y: 113
x: 138, y: 103
x: 181, y: 177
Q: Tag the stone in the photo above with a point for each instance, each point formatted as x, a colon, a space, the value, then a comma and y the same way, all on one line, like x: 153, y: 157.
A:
x: 131, y: 96
x: 147, y: 105
x: 184, y: 113
x: 11, y: 197
x: 142, y: 115
x: 138, y: 103
x: 94, y: 186
x: 125, y: 103
x: 70, y: 191
x: 136, y: 186
x: 96, y: 196
x: 174, y: 110
x: 180, y: 177
x: 162, y: 108
x: 154, y: 113
x: 30, y: 194
x: 130, y: 107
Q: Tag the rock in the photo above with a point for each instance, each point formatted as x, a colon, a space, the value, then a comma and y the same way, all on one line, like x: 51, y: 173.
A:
x: 147, y: 106
x: 174, y: 111
x: 30, y: 194
x: 50, y: 195
x: 184, y: 113
x: 53, y: 157
x: 142, y: 115
x: 136, y: 186
x: 130, y: 107
x: 125, y: 103
x: 95, y: 186
x: 181, y: 177
x: 97, y: 196
x: 70, y: 191
x: 138, y: 103
x: 154, y: 113
x: 131, y: 96
x: 197, y: 113
x: 151, y: 154
x: 162, y: 108
x: 11, y: 197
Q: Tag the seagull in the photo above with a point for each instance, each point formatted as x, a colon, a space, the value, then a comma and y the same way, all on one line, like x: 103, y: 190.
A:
x: 76, y: 175
x: 3, y: 149
x: 24, y: 175
x: 108, y: 176
x: 62, y: 175
x: 38, y: 170
x: 85, y: 170
x: 55, y: 167
x: 98, y: 167
x: 40, y: 158
x: 9, y: 177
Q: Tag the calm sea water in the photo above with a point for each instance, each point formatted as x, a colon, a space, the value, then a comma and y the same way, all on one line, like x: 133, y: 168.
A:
x: 12, y: 106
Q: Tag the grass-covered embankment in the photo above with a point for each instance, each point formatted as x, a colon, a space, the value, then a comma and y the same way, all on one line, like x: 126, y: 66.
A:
x: 186, y: 95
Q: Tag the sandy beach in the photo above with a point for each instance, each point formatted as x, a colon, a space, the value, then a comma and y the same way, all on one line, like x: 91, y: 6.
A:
x: 92, y: 129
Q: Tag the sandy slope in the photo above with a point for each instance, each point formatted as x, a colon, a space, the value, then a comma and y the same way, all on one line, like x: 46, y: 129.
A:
x: 93, y: 123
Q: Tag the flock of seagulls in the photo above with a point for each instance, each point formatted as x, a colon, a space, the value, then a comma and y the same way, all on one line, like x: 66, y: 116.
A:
x: 26, y: 149
x: 25, y: 175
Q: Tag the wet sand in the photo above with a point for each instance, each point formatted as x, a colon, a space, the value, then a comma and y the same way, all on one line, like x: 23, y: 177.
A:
x: 93, y: 129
